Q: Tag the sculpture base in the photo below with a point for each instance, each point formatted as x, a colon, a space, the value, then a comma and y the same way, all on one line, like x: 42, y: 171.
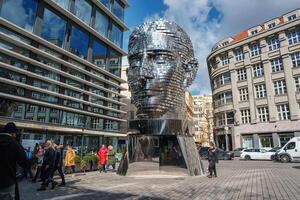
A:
x: 160, y: 154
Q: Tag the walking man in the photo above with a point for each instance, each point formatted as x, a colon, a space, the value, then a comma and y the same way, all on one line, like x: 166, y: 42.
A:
x: 12, y: 153
x: 58, y: 163
x: 212, y: 159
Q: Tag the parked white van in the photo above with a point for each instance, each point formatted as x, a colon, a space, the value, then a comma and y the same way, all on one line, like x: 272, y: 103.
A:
x: 290, y: 151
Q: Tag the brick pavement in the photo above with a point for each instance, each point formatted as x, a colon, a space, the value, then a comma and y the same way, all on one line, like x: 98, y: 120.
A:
x: 236, y: 180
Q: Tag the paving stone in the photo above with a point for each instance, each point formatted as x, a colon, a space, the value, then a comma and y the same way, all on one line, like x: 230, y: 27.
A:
x: 237, y: 179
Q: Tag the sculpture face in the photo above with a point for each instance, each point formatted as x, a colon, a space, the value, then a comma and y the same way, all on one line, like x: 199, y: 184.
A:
x: 162, y: 65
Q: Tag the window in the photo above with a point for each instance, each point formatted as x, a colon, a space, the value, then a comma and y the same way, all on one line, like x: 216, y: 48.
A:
x: 260, y: 91
x: 114, y: 63
x: 273, y: 43
x: 63, y: 3
x: 255, y: 49
x: 42, y: 109
x: 19, y: 109
x: 291, y: 145
x: 266, y: 141
x: 116, y: 35
x: 239, y: 54
x: 263, y: 114
x: 38, y: 137
x: 83, y: 10
x: 118, y: 10
x: 245, y: 115
x: 277, y: 64
x: 223, y: 98
x: 293, y: 36
x: 295, y: 59
x: 283, y: 112
x: 222, y: 79
x: 99, y: 54
x: 297, y: 83
x: 258, y: 70
x: 31, y: 108
x: 243, y: 94
x: 53, y: 28
x: 79, y: 42
x: 101, y: 23
x: 230, y: 117
x: 292, y: 17
x: 272, y: 25
x: 279, y: 87
x: 106, y: 3
x: 241, y: 74
x: 225, y: 59
x: 254, y: 32
x: 21, y: 12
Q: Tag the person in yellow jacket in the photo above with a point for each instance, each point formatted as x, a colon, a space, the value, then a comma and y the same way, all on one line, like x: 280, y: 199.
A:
x: 70, y: 158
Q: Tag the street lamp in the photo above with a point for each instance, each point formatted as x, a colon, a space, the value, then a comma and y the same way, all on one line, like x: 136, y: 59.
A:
x: 226, y: 136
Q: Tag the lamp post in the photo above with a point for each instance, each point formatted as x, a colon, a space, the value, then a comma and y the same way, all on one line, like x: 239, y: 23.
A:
x: 226, y: 137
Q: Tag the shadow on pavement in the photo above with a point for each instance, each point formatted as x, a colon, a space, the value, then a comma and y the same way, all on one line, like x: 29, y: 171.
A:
x: 71, y: 191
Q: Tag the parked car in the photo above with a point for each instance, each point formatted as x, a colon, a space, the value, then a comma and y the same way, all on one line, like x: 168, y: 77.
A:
x: 222, y: 155
x: 259, y: 154
x: 290, y: 151
x: 237, y: 152
x: 275, y: 149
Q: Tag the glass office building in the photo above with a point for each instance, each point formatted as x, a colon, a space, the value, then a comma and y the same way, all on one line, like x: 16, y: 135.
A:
x: 60, y: 67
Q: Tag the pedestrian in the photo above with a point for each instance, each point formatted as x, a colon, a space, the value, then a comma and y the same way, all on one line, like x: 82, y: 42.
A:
x: 102, y: 153
x: 48, y: 166
x: 111, y: 158
x: 58, y: 163
x: 12, y: 153
x: 28, y: 169
x: 212, y: 160
x: 70, y: 158
x: 39, y: 157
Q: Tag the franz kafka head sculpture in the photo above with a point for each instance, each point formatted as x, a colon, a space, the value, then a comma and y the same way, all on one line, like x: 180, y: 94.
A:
x: 161, y: 66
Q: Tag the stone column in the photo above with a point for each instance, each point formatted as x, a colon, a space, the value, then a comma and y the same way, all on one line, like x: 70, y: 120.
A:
x: 256, y: 141
x: 276, y: 140
x: 270, y: 91
x: 251, y: 89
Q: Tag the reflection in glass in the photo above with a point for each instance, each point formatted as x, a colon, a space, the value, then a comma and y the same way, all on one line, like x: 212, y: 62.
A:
x: 114, y: 63
x: 99, y: 54
x: 116, y: 35
x: 101, y: 23
x: 118, y: 10
x: 106, y: 3
x: 83, y: 10
x: 79, y: 42
x: 63, y: 3
x: 53, y: 28
x: 20, y: 12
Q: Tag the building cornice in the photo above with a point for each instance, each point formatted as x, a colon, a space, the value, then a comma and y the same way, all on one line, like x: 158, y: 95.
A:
x: 22, y: 124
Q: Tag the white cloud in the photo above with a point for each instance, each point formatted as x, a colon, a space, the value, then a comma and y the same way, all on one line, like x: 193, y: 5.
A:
x: 237, y: 15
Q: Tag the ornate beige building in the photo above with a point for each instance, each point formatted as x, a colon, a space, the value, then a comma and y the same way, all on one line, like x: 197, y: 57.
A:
x: 255, y: 78
x: 203, y: 119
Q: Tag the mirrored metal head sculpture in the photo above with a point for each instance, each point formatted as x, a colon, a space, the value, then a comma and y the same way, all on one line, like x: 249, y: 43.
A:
x: 162, y: 65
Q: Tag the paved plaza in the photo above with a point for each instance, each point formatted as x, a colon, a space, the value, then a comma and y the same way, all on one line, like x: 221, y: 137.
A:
x: 237, y: 180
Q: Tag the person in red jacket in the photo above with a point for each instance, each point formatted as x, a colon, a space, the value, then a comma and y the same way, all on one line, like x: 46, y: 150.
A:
x: 102, y: 153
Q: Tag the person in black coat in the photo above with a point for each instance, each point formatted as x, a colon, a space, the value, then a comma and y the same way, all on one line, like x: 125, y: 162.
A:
x: 12, y: 153
x: 212, y: 159
x: 48, y: 166
x: 58, y: 163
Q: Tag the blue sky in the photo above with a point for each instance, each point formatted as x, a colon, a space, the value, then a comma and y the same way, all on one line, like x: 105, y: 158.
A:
x: 206, y: 22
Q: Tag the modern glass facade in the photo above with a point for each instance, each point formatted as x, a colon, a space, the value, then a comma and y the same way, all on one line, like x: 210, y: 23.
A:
x: 60, y: 65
